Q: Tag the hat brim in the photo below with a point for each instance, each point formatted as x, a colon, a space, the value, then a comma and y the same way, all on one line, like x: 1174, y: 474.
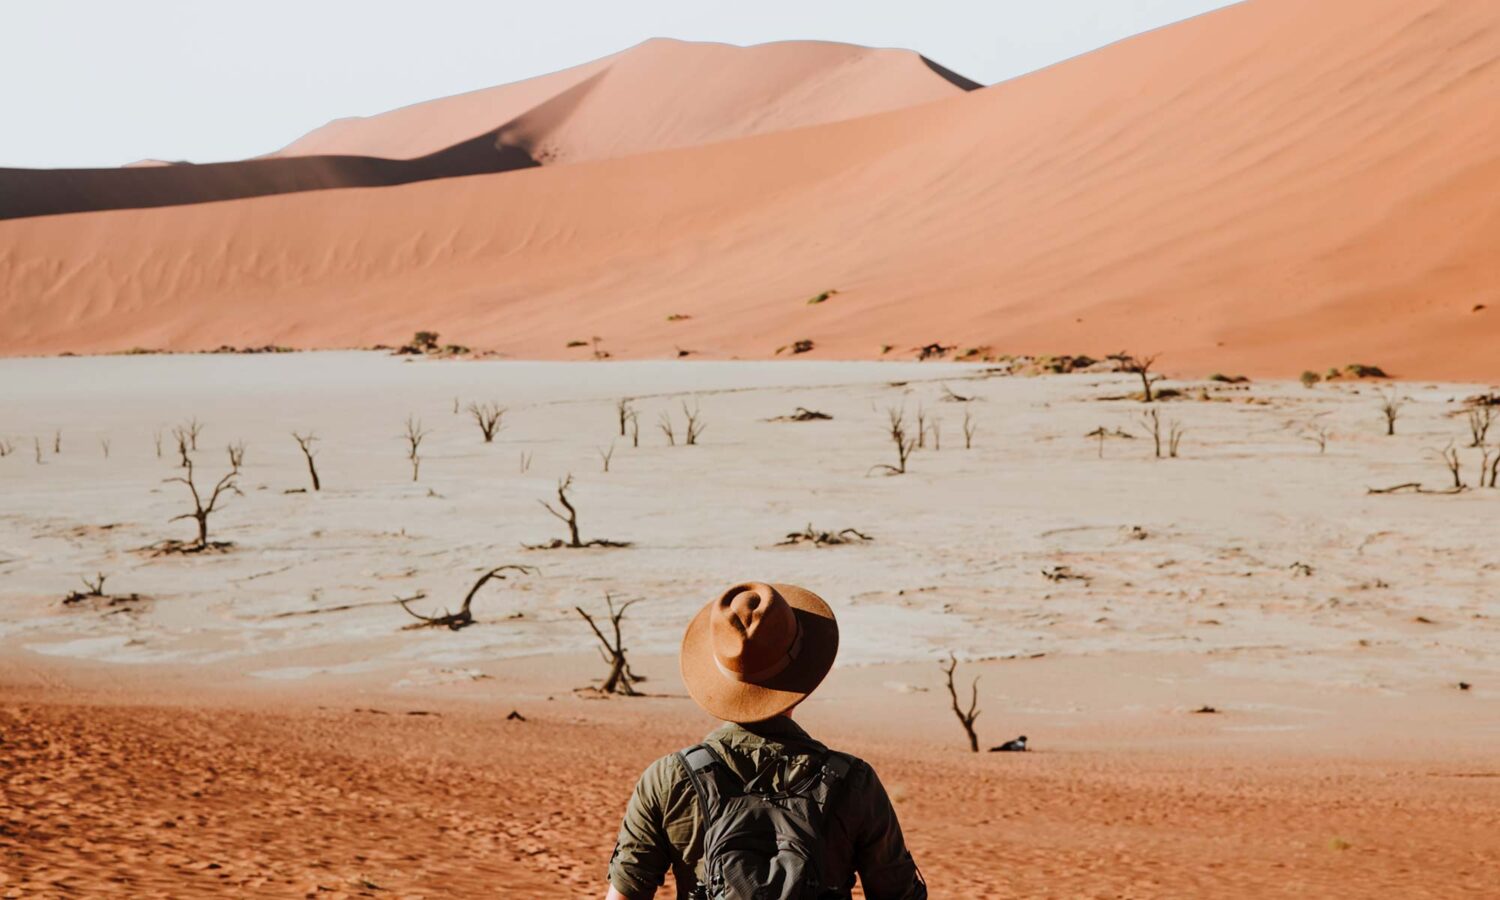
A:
x: 737, y: 701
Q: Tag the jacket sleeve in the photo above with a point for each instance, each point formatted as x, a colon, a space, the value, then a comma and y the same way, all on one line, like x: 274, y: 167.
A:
x: 642, y: 857
x: 886, y: 868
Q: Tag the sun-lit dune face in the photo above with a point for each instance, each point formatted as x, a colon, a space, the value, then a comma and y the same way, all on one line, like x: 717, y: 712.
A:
x: 423, y: 128
x: 657, y: 95
x: 1274, y: 187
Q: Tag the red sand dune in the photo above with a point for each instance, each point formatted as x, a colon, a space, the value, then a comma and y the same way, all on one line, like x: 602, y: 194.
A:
x: 1271, y: 187
x: 49, y: 192
x: 657, y: 95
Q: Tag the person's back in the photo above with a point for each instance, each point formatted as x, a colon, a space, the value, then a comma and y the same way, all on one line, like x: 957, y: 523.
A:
x: 760, y: 809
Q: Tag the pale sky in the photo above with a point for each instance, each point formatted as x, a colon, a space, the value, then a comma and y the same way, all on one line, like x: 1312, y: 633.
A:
x: 105, y: 82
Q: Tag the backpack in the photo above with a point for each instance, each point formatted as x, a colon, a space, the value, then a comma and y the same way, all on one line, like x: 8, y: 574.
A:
x: 763, y: 845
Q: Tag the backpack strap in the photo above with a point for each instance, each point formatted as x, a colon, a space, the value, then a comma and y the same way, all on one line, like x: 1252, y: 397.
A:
x: 699, y: 762
x: 834, y: 771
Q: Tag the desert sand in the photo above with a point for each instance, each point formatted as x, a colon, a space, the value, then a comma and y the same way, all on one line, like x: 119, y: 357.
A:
x: 259, y: 721
x: 1273, y: 187
x: 657, y: 95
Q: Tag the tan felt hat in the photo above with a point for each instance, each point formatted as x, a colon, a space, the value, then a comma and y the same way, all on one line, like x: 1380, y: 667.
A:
x: 758, y: 650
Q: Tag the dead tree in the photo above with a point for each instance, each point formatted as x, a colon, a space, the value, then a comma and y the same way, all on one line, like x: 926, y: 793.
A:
x: 1390, y: 407
x: 201, y: 509
x: 1101, y: 433
x: 904, y: 445
x: 694, y: 426
x: 156, y: 436
x: 36, y: 443
x: 951, y: 397
x: 623, y: 412
x: 95, y: 592
x: 1318, y: 434
x: 970, y: 428
x: 57, y: 442
x: 95, y: 589
x: 620, y: 679
x: 921, y: 427
x: 192, y: 428
x: 966, y: 717
x: 464, y: 617
x: 1449, y: 458
x: 487, y: 416
x: 413, y: 437
x: 1489, y: 461
x: 236, y: 456
x: 1480, y: 418
x: 606, y: 455
x: 104, y: 445
x: 1152, y: 423
x: 664, y: 422
x: 525, y: 461
x: 305, y: 443
x: 6, y: 448
x: 936, y: 428
x: 1139, y: 365
x: 180, y: 435
x: 571, y: 520
x: 635, y: 428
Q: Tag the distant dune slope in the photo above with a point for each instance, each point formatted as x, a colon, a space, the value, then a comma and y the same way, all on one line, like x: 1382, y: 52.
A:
x: 657, y: 95
x: 1272, y: 187
x: 49, y: 192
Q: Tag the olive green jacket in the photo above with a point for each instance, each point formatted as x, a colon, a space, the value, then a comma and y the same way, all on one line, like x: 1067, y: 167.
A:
x: 663, y: 826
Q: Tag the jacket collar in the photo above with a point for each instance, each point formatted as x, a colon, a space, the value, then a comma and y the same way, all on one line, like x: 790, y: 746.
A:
x: 777, y: 730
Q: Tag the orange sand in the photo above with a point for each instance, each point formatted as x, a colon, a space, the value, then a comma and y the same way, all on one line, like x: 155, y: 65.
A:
x: 1272, y: 187
x: 345, y: 792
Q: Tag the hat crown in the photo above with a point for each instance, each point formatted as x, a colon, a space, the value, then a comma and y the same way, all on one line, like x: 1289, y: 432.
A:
x: 754, y: 631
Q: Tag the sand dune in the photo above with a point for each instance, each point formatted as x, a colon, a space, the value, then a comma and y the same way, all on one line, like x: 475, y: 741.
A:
x: 1272, y: 187
x: 47, y: 192
x: 656, y: 95
x: 660, y: 94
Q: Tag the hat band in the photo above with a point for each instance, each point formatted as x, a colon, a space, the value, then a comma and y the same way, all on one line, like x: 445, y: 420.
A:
x: 771, y: 671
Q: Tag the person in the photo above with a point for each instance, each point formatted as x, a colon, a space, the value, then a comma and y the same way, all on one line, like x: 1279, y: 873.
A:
x: 760, y: 809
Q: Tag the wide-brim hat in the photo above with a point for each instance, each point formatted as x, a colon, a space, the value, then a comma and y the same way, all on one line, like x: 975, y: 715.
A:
x: 758, y: 650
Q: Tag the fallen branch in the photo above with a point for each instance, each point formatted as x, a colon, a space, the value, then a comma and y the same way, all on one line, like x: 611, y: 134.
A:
x: 824, y: 538
x: 464, y: 617
x: 802, y: 414
x: 1414, y: 487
